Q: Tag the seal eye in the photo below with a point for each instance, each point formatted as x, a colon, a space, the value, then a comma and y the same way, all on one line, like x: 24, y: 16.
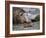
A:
x: 20, y: 14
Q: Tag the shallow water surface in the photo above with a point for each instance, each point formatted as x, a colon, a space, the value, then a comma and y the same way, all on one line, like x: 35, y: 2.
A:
x: 18, y: 27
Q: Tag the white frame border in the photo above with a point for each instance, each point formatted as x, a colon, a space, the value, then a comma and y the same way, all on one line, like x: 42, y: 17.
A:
x: 27, y: 31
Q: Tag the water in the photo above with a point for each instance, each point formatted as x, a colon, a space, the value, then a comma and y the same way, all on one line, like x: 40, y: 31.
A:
x: 19, y: 27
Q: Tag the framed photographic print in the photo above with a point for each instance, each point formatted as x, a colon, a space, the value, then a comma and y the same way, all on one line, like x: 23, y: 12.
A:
x: 24, y: 18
